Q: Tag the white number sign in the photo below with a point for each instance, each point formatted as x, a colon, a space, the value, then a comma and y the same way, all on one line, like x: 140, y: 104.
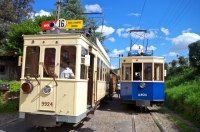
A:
x: 61, y: 23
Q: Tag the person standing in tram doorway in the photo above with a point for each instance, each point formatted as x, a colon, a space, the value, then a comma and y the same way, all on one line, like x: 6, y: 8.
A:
x: 118, y: 88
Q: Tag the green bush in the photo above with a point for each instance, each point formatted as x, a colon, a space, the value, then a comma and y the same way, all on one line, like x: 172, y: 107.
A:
x: 183, y: 93
x: 10, y: 106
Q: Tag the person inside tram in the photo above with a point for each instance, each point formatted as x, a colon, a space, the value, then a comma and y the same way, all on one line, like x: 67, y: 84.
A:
x: 65, y: 71
x: 137, y: 77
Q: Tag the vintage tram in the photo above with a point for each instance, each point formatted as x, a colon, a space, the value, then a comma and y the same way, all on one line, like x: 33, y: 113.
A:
x: 46, y: 99
x: 142, y: 78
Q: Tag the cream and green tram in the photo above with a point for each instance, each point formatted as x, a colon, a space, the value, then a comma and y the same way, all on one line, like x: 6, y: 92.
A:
x: 45, y: 98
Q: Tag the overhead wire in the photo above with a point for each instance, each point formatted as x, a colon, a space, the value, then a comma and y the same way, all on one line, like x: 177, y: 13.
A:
x: 141, y: 13
x: 138, y: 24
x: 175, y: 18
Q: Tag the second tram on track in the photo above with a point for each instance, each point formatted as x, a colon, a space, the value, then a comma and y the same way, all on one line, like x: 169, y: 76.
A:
x: 142, y: 78
x: 46, y: 99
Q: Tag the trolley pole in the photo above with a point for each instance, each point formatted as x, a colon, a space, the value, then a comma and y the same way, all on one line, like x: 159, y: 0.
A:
x: 58, y: 9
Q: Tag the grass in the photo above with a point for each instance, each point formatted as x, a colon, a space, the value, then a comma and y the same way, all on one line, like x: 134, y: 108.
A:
x: 177, y: 122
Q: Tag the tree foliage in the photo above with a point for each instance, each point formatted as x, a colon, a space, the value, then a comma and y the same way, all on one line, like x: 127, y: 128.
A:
x: 182, y: 61
x: 14, y: 43
x: 13, y: 12
x: 23, y: 9
x: 194, y: 54
x: 73, y: 10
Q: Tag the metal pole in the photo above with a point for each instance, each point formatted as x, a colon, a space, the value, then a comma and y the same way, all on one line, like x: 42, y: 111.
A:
x: 58, y: 9
x: 119, y: 61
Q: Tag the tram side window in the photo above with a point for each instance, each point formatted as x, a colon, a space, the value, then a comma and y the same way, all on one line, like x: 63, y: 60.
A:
x: 101, y: 70
x: 49, y: 62
x: 83, y: 69
x: 158, y: 72
x: 148, y: 71
x: 32, y: 60
x: 98, y: 68
x: 68, y: 55
x: 126, y: 73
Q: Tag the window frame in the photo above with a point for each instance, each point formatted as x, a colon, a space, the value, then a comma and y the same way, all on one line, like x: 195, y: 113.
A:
x: 162, y: 72
x: 144, y: 75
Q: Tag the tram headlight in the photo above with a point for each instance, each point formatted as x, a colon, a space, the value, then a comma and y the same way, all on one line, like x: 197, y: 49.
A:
x: 27, y: 87
x: 47, y: 89
x: 142, y: 85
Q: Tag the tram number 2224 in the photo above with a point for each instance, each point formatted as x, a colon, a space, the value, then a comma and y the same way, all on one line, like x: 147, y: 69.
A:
x: 46, y: 103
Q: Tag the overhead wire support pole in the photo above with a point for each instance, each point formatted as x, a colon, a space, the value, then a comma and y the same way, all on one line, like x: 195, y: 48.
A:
x: 58, y: 9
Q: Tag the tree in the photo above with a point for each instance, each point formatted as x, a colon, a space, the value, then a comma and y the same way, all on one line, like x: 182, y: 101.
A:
x: 13, y: 11
x: 23, y: 9
x: 7, y: 17
x: 174, y: 63
x: 182, y: 61
x: 14, y: 43
x: 194, y: 54
x: 73, y: 10
x: 166, y: 66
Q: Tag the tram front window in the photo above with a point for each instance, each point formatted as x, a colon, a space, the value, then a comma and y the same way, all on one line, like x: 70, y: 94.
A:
x: 137, y: 71
x: 148, y: 71
x: 32, y: 61
x: 49, y: 62
x: 67, y: 62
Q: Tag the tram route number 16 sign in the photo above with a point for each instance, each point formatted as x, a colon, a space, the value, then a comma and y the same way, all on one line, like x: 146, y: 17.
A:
x: 62, y: 24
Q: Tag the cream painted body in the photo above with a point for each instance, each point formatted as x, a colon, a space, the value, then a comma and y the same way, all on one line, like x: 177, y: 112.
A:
x: 69, y: 97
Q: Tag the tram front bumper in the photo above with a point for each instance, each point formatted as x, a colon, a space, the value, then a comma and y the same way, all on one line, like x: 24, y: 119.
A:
x: 41, y: 120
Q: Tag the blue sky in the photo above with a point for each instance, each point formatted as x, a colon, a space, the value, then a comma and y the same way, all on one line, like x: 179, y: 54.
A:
x: 171, y: 24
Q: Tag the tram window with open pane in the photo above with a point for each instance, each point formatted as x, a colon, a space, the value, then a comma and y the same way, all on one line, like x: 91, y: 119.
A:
x: 137, y: 71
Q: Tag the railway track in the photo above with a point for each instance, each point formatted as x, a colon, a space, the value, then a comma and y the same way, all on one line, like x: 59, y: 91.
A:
x: 148, y: 118
x: 112, y: 116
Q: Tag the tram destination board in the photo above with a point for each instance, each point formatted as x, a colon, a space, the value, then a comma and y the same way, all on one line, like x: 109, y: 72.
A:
x: 74, y: 24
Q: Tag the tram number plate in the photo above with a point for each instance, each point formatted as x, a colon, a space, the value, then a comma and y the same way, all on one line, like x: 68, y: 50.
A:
x: 46, y: 103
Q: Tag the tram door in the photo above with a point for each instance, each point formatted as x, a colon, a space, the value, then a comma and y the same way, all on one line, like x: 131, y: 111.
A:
x: 90, y: 82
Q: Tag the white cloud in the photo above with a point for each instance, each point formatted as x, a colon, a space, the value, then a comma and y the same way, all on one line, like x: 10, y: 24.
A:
x: 42, y: 13
x: 165, y: 31
x: 122, y: 32
x: 119, y: 31
x: 181, y: 42
x: 116, y: 53
x: 106, y: 30
x: 136, y: 47
x: 93, y: 8
x: 151, y: 35
x: 113, y: 67
x: 111, y: 39
x: 187, y: 30
x: 134, y: 14
x: 171, y: 54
